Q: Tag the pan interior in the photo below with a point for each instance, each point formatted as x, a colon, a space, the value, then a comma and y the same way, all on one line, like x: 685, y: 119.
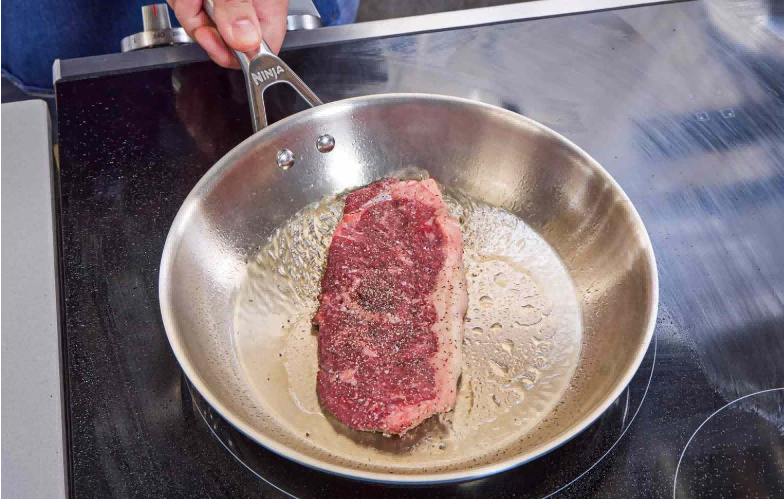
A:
x: 521, y: 347
x: 571, y: 241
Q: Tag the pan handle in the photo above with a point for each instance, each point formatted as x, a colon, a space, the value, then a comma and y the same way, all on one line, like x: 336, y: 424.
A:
x: 263, y: 69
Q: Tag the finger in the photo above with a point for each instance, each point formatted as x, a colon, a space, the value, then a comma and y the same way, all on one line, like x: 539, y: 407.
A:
x: 211, y: 41
x: 272, y: 18
x: 198, y: 26
x: 238, y: 24
x: 187, y: 8
x: 189, y: 13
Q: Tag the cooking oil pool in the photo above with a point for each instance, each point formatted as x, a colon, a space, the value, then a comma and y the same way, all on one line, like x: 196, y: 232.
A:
x: 522, y: 336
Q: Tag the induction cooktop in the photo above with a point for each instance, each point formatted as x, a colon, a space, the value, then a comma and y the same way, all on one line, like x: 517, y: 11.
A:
x: 687, y: 117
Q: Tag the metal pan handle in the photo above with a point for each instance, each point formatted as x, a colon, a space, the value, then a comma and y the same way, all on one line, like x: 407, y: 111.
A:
x: 263, y: 69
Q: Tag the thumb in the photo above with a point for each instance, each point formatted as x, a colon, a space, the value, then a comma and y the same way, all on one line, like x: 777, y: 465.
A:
x: 238, y: 24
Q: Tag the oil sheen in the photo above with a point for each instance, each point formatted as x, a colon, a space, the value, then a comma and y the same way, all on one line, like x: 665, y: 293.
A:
x: 521, y: 345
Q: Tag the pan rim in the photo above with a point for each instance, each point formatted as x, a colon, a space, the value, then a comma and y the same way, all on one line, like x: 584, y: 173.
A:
x: 173, y: 333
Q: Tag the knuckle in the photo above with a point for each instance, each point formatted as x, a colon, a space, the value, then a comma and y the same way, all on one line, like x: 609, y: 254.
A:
x: 234, y: 4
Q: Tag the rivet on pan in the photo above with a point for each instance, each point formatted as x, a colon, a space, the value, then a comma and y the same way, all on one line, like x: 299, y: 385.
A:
x: 285, y: 159
x: 325, y: 143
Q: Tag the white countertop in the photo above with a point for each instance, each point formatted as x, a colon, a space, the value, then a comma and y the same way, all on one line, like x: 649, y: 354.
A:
x: 33, y: 459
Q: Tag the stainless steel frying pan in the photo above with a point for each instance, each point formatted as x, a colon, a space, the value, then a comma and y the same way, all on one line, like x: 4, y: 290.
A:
x: 568, y: 342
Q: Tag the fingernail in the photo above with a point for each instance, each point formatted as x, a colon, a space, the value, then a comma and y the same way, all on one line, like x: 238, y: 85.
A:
x: 245, y: 32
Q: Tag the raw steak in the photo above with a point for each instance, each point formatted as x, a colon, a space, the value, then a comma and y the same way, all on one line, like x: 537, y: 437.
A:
x: 393, y: 298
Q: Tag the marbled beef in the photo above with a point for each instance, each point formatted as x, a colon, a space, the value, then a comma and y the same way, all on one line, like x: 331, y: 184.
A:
x: 393, y: 298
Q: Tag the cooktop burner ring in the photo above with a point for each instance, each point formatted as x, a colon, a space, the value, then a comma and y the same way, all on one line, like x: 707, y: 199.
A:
x: 626, y: 429
x: 229, y: 436
x: 705, y: 422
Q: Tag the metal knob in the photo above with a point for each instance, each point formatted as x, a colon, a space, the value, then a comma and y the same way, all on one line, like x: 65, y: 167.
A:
x: 299, y: 22
x: 156, y: 17
x: 157, y: 32
x: 302, y: 14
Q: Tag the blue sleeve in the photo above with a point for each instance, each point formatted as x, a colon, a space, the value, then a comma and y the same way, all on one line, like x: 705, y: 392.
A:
x: 334, y: 12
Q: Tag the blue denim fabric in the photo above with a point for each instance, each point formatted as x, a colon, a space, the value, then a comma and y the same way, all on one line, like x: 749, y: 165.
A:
x: 334, y: 12
x: 35, y: 33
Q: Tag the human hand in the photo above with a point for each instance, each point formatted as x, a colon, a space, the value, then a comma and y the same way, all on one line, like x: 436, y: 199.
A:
x: 240, y: 26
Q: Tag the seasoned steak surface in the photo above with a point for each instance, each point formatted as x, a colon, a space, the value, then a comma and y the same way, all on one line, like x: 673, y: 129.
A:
x: 391, y: 308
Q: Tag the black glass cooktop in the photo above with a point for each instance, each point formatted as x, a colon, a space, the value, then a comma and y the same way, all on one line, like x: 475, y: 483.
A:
x: 686, y: 114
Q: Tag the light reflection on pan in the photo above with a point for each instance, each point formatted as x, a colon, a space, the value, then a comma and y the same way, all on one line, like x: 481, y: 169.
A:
x: 286, y: 476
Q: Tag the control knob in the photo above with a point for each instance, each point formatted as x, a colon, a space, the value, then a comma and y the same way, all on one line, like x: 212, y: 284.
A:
x: 157, y: 32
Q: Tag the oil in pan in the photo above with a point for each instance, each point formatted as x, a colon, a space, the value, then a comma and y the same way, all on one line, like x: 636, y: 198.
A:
x: 523, y: 334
